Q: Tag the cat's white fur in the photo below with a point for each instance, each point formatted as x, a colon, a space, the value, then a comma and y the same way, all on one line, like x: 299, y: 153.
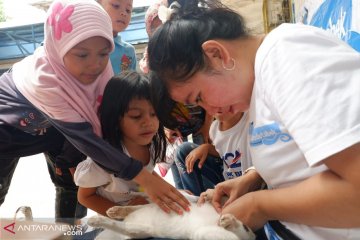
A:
x: 143, y: 221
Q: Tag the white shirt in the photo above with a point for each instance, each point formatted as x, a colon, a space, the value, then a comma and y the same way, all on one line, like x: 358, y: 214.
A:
x: 88, y: 174
x: 305, y: 107
x: 232, y: 147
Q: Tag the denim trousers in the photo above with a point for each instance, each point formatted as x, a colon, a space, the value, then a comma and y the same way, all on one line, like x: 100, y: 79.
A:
x: 199, y: 180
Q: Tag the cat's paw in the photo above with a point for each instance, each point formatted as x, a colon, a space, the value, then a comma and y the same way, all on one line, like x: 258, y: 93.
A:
x: 208, y: 195
x: 117, y: 212
x: 96, y: 221
x: 231, y: 223
x: 228, y: 221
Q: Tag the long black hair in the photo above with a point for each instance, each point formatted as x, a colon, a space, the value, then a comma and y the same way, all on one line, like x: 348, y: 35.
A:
x: 118, y: 93
x: 175, y: 49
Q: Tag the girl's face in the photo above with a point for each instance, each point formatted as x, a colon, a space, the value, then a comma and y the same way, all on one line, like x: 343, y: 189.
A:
x: 119, y: 12
x: 140, y: 123
x: 221, y: 93
x: 88, y: 59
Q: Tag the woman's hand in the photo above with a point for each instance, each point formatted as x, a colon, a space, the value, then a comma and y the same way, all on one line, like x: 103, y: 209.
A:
x: 246, y: 209
x: 235, y: 188
x: 167, y: 197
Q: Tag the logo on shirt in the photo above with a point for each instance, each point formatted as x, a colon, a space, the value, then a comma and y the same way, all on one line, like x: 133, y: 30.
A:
x: 31, y: 123
x: 125, y: 63
x: 267, y: 135
x: 233, y: 164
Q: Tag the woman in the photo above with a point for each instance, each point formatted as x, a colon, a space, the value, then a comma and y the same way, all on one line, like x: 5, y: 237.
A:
x: 300, y: 87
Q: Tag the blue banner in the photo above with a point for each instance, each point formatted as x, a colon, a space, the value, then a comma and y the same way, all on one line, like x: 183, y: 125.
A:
x: 340, y: 17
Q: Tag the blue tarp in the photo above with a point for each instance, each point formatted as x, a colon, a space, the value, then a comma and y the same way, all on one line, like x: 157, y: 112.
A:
x: 21, y: 41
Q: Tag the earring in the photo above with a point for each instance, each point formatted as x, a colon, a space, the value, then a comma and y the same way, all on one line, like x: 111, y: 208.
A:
x: 231, y: 68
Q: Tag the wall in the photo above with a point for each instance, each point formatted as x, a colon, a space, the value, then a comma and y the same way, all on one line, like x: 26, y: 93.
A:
x: 251, y: 10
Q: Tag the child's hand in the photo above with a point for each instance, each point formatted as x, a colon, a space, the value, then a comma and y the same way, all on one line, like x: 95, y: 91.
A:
x: 200, y: 153
x: 72, y: 171
x: 167, y: 197
x: 172, y: 135
x: 58, y: 171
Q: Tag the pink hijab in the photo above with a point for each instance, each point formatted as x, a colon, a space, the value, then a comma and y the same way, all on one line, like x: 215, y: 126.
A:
x: 42, y: 77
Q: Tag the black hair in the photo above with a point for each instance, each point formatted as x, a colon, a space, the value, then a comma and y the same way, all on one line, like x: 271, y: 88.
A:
x: 175, y: 49
x: 163, y: 104
x: 118, y: 93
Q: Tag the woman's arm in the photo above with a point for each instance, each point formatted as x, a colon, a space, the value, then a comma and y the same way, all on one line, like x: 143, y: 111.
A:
x: 328, y: 199
x: 89, y: 198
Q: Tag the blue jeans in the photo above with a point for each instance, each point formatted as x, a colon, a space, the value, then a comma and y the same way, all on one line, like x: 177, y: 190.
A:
x: 197, y: 139
x: 199, y: 180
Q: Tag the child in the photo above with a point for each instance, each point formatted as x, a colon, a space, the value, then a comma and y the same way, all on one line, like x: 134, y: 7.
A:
x: 300, y: 86
x: 228, y: 141
x: 123, y: 57
x: 129, y: 124
x: 152, y: 22
x: 55, y: 93
x: 181, y: 121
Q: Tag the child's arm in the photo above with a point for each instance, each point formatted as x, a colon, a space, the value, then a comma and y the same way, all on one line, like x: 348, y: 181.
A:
x: 89, y: 198
x: 82, y: 137
x: 200, y: 153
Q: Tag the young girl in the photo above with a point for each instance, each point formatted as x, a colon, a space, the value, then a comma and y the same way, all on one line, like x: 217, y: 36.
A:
x: 300, y: 86
x: 129, y: 123
x: 56, y: 92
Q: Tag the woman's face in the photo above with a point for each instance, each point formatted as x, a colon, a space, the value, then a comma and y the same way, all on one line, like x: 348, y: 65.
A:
x: 226, y: 92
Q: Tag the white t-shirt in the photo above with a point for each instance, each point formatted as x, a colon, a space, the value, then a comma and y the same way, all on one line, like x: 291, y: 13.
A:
x: 88, y: 175
x: 232, y: 147
x: 305, y: 107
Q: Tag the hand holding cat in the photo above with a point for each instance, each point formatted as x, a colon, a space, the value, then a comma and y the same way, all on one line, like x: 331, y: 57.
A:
x: 167, y: 197
x: 247, y: 210
x: 235, y: 188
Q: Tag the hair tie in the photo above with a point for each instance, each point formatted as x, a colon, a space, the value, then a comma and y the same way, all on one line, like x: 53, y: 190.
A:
x: 165, y: 13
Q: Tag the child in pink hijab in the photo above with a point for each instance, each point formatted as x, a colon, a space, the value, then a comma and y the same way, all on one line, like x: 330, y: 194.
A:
x: 55, y: 93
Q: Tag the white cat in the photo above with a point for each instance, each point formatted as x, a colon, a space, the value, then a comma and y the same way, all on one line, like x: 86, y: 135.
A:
x: 143, y: 221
